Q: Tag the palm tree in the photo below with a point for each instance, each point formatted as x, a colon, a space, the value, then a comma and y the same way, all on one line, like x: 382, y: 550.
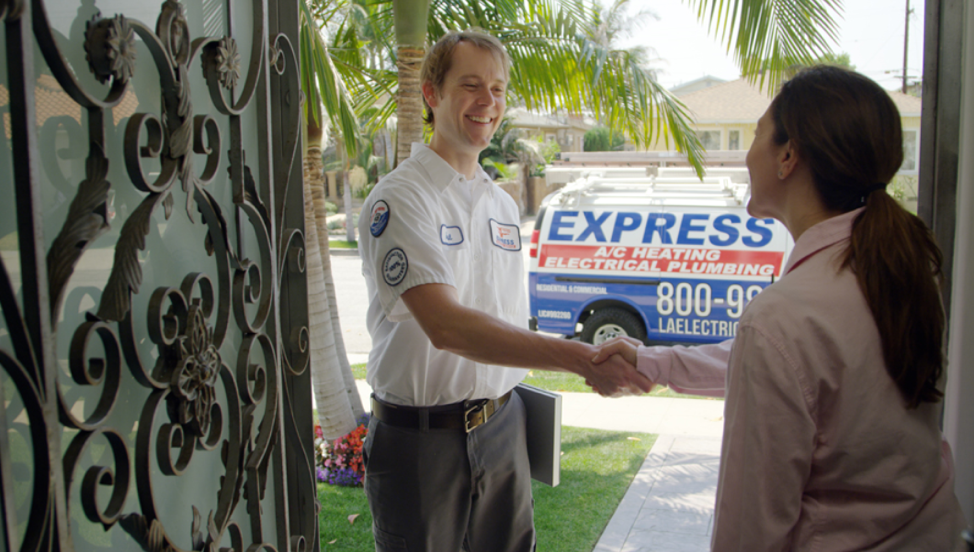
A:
x: 411, y: 24
x: 336, y: 396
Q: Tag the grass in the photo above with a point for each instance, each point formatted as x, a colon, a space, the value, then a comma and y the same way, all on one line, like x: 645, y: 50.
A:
x: 596, y: 469
x: 342, y: 244
x: 564, y: 382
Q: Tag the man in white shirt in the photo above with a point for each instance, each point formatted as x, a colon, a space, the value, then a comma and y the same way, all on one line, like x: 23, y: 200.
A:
x: 446, y: 456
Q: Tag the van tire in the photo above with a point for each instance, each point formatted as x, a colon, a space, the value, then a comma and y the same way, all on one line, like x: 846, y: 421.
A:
x: 606, y: 324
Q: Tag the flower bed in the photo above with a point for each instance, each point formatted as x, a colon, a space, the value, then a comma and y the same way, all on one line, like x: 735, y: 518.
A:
x: 339, y: 462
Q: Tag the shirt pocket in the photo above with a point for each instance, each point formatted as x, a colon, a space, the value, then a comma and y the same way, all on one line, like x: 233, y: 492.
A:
x: 453, y: 237
x: 456, y: 247
x: 507, y: 262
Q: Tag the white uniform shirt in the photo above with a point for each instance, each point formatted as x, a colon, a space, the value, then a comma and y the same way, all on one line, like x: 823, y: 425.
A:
x: 420, y: 225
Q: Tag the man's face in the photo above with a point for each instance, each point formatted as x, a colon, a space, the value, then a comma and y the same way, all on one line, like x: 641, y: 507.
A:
x: 468, y: 107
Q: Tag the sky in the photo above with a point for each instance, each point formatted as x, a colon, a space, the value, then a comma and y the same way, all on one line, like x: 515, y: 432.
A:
x: 870, y: 31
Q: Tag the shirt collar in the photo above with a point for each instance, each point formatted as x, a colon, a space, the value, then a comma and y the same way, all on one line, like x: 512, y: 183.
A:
x: 824, y: 234
x: 439, y: 172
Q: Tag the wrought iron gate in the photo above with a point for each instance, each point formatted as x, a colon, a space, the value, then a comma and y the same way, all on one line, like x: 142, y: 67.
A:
x: 153, y: 313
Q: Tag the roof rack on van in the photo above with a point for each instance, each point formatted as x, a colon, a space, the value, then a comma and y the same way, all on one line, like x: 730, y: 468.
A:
x: 595, y: 190
x: 559, y: 174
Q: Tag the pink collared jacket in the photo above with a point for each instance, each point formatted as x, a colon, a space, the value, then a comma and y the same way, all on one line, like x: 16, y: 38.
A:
x: 819, y: 451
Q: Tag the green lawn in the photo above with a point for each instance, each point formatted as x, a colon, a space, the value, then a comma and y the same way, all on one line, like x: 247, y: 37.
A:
x: 596, y: 469
x: 563, y: 382
x: 342, y: 244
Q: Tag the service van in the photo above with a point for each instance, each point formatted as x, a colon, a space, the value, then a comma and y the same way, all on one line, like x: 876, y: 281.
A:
x: 665, y: 257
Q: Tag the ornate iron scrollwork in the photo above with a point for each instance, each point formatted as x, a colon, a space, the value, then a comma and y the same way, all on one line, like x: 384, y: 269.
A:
x: 200, y: 398
x: 110, y: 44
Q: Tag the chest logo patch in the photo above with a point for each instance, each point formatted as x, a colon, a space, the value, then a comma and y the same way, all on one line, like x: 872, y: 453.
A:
x: 505, y: 236
x: 451, y: 235
x: 379, y: 218
x: 394, y: 267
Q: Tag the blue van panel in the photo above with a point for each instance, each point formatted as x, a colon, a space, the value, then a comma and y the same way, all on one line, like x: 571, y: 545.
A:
x: 678, y: 310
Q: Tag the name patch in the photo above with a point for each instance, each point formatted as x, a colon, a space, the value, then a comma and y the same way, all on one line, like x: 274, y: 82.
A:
x: 394, y: 267
x: 505, y: 236
x: 379, y: 218
x: 451, y: 235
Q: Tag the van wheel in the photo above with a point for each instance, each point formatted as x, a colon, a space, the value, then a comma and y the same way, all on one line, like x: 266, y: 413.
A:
x: 607, y: 324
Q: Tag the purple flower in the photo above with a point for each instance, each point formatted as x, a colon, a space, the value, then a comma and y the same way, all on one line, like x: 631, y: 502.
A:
x: 321, y: 474
x: 344, y: 477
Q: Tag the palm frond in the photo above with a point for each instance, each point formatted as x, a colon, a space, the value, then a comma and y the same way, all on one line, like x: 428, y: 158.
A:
x: 769, y: 36
x: 322, y: 83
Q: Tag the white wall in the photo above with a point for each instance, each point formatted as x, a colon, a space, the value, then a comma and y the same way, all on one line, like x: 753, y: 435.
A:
x: 959, y: 409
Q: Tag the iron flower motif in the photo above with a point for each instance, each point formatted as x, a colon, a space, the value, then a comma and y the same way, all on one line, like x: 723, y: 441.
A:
x: 110, y: 47
x: 195, y: 376
x: 228, y: 62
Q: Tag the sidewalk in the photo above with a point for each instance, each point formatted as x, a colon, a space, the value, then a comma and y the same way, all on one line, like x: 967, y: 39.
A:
x: 669, y: 506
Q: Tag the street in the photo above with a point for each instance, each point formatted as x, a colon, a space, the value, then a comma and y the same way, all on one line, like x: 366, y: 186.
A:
x: 353, y: 303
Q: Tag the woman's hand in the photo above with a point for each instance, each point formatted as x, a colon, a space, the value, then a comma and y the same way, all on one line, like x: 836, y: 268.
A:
x: 626, y: 348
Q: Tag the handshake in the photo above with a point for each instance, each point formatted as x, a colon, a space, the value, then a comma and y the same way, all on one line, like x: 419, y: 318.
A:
x: 612, y: 371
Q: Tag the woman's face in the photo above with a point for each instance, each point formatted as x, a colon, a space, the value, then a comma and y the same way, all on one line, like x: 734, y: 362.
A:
x: 763, y: 164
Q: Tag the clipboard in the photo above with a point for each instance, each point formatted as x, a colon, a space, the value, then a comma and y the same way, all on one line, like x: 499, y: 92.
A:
x: 543, y: 409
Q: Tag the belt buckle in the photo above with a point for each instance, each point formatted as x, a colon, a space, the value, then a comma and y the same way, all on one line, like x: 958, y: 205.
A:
x: 470, y: 421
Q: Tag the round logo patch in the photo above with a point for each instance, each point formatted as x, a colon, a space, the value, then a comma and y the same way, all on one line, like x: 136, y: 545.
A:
x: 379, y: 218
x: 394, y: 267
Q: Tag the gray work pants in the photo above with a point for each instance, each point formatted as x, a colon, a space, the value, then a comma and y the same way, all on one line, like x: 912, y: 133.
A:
x: 444, y: 490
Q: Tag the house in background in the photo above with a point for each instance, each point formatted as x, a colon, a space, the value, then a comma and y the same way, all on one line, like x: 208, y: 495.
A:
x: 694, y: 85
x: 726, y: 113
x: 567, y: 130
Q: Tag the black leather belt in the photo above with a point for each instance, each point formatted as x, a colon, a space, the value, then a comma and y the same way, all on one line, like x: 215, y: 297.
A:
x: 466, y: 415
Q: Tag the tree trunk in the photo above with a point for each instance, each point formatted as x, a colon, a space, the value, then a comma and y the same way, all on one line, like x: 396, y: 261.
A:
x: 321, y: 222
x: 335, y: 413
x: 411, y: 22
x: 410, y: 108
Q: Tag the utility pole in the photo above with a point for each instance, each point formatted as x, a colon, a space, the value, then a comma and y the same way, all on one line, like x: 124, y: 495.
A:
x: 906, y: 43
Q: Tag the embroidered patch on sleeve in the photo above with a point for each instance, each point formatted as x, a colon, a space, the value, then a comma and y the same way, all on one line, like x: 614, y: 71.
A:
x: 451, y: 235
x: 394, y: 267
x: 505, y: 236
x: 379, y: 218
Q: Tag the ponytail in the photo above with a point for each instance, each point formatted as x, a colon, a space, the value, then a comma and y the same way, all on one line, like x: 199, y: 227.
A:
x: 848, y: 129
x: 898, y: 267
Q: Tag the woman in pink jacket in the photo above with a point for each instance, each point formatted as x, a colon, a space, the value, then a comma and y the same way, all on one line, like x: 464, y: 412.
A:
x: 834, y: 380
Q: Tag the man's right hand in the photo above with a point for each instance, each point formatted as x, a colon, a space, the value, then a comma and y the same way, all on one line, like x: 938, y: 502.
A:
x: 621, y: 350
x: 613, y: 371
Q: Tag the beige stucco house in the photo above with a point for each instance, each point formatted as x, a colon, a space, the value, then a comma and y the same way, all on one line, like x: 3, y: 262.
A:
x: 725, y: 114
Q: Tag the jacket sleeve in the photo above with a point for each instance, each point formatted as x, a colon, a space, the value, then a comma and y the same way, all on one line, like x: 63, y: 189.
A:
x: 699, y: 370
x: 769, y: 439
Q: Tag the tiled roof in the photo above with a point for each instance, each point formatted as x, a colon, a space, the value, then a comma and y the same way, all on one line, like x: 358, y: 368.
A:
x: 739, y: 101
x: 908, y: 105
x: 695, y: 84
x: 525, y: 118
x: 732, y: 101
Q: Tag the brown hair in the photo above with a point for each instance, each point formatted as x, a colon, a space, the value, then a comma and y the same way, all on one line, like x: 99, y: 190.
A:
x: 847, y: 128
x: 439, y: 58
